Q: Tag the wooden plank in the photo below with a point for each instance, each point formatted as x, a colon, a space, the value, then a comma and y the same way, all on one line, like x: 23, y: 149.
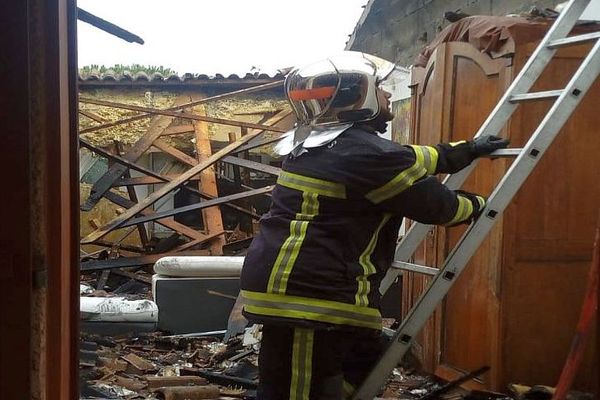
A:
x: 179, y: 114
x: 198, y: 206
x: 211, y: 216
x: 253, y: 89
x: 108, y: 27
x: 253, y: 165
x: 147, y: 180
x: 178, y: 130
x: 157, y: 126
x: 130, y: 248
x: 192, y: 243
x: 175, y: 153
x: 133, y: 197
x: 285, y: 119
x: 180, y: 228
x: 95, y: 265
x: 92, y: 116
x: 163, y: 191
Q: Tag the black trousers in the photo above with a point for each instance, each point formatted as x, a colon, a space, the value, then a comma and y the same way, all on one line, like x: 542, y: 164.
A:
x: 307, y: 364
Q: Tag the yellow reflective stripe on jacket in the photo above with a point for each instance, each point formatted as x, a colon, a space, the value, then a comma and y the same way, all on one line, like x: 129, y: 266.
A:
x: 400, y: 182
x: 288, y: 253
x: 310, y: 206
x: 454, y: 144
x: 463, y: 211
x: 287, y: 257
x: 429, y: 155
x: 364, y: 286
x: 309, y: 184
x: 304, y: 308
x: 302, y: 351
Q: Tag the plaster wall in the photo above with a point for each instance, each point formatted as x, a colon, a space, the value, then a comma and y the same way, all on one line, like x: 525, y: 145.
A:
x: 397, y: 30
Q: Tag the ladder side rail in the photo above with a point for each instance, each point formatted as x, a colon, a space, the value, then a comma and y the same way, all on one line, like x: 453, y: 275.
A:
x: 543, y: 136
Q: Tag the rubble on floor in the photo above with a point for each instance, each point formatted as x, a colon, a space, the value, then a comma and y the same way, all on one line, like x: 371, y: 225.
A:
x: 166, y: 367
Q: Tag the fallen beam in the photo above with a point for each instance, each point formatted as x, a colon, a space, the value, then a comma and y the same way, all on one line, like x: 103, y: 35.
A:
x: 176, y: 226
x: 156, y: 128
x: 108, y: 27
x: 253, y: 165
x: 198, y: 206
x: 158, y: 177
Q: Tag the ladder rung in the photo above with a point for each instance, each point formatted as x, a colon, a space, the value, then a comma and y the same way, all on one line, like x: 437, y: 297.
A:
x: 422, y: 269
x: 514, y: 152
x: 572, y: 40
x: 548, y: 94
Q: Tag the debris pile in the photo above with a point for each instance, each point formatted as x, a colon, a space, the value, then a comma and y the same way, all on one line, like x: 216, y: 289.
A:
x: 166, y: 367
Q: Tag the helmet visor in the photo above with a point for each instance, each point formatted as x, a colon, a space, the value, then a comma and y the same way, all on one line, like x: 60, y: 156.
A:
x: 339, y: 88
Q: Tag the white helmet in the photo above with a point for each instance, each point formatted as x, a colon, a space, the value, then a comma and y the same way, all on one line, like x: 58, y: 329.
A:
x: 338, y: 89
x: 328, y: 96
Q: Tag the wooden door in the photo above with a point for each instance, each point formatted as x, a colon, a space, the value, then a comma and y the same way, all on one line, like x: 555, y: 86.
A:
x: 453, y: 95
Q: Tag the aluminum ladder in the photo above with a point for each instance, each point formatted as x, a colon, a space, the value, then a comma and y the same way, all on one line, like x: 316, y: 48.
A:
x: 565, y: 101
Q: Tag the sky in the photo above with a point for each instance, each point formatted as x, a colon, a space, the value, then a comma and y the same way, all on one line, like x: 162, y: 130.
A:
x: 218, y: 36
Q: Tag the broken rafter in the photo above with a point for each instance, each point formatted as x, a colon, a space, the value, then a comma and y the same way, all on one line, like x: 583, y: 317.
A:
x: 156, y: 128
x: 176, y: 226
x: 108, y: 27
x: 253, y: 89
x: 133, y: 197
x: 211, y: 217
x: 198, y: 206
x: 179, y: 114
x: 92, y: 116
x: 120, y: 246
x: 158, y: 177
x: 253, y: 165
x: 175, y: 153
x: 164, y: 190
x: 178, y: 130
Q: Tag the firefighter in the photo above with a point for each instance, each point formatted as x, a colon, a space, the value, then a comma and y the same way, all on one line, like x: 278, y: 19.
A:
x: 311, y: 276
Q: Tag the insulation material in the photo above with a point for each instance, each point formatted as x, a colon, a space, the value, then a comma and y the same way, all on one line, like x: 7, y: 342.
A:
x: 128, y: 133
x: 245, y: 108
x: 101, y: 214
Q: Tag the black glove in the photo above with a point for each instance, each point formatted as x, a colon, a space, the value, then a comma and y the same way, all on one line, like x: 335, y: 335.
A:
x: 478, y: 203
x: 455, y: 156
x: 484, y: 145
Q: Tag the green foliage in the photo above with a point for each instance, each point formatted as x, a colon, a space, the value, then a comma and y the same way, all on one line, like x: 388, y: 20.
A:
x: 120, y: 68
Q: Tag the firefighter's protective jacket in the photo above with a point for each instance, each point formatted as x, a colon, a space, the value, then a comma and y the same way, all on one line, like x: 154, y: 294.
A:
x: 330, y: 235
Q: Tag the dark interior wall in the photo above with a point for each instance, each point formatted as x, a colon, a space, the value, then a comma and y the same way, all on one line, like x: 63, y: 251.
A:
x: 397, y: 30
